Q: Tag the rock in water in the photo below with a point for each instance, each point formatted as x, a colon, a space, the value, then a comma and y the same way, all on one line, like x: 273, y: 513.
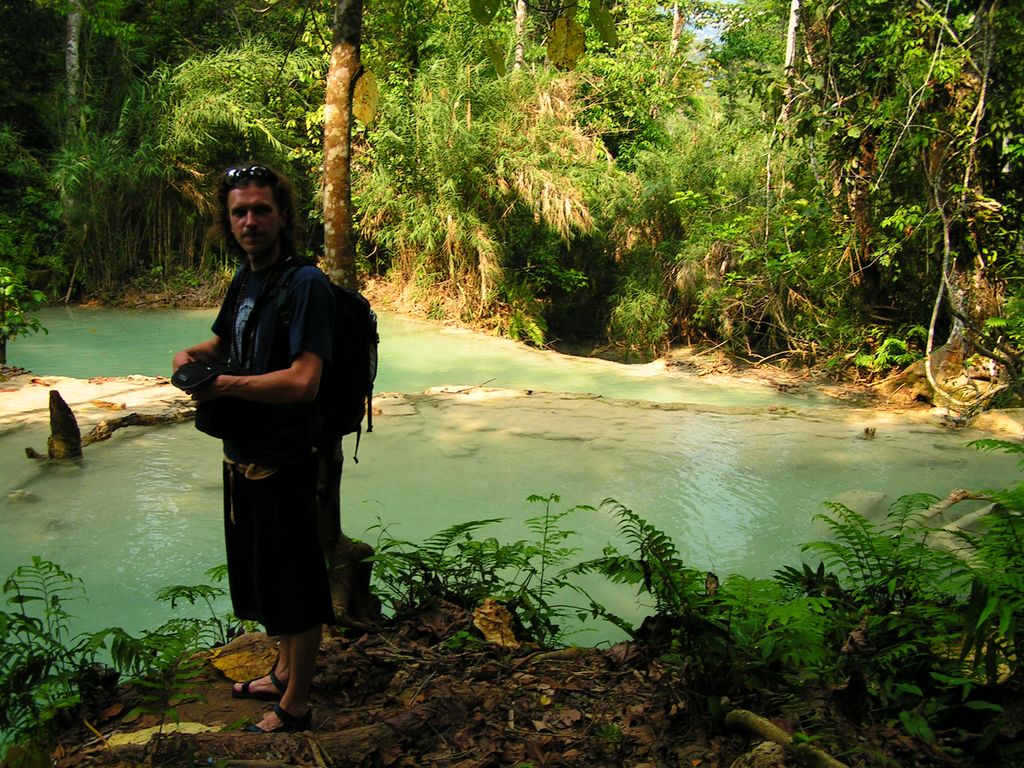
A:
x: 65, y: 438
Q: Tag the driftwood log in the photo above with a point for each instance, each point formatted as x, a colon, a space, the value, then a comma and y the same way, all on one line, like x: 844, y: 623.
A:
x: 755, y: 725
x: 105, y: 429
x: 66, y: 441
x: 358, y: 747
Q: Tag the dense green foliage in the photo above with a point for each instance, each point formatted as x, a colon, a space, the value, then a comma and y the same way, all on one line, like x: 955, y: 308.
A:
x: 46, y: 673
x: 654, y: 186
x: 897, y: 621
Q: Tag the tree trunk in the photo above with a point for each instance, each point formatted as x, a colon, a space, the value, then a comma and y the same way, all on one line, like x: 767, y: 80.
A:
x: 677, y: 30
x: 520, y: 60
x: 790, y: 64
x: 339, y: 241
x: 354, y: 605
x: 65, y: 440
x: 72, y: 62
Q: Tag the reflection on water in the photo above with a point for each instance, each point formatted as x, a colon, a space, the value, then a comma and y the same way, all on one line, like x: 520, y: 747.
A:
x: 737, y: 493
x: 133, y: 517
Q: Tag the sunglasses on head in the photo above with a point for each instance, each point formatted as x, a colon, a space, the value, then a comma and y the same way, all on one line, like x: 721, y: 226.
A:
x: 234, y: 177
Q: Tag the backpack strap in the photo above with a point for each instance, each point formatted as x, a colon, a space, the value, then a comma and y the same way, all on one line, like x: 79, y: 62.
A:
x: 285, y: 314
x: 284, y: 311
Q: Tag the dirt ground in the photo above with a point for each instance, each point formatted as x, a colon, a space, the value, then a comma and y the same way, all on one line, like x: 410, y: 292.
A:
x: 427, y: 691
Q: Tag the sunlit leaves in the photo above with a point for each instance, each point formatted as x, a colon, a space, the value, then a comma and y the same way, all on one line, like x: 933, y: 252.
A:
x: 566, y: 42
x: 16, y: 302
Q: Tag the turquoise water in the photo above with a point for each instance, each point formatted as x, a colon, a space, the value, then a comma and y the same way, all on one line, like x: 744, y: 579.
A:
x: 737, y: 491
x: 414, y: 356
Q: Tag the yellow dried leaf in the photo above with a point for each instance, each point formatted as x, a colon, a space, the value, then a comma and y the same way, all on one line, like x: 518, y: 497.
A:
x: 246, y: 657
x: 146, y: 734
x: 495, y: 623
x: 366, y: 98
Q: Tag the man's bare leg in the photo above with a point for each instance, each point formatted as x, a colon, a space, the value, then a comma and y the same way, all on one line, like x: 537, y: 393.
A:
x: 297, y: 661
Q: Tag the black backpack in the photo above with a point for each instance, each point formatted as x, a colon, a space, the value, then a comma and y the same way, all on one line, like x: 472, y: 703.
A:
x: 345, y: 395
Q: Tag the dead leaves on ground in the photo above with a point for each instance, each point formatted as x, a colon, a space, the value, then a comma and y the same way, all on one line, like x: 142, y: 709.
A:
x: 410, y: 696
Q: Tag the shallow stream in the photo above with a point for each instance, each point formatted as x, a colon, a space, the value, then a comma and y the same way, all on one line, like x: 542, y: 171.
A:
x: 735, y: 472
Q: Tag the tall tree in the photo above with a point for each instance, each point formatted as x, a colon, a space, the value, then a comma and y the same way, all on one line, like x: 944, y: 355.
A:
x: 520, y: 35
x: 354, y: 605
x: 344, y: 70
x: 790, y: 63
x: 73, y: 65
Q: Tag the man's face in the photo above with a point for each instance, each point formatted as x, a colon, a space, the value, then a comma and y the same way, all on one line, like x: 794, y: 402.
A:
x: 256, y: 221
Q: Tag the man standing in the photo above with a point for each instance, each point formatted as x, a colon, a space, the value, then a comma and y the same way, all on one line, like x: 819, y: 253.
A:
x: 263, y: 409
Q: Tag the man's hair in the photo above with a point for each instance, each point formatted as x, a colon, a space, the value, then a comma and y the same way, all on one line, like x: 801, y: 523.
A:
x: 262, y: 175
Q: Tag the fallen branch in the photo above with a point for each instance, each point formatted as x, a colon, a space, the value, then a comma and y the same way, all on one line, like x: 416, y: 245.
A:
x: 357, y: 747
x: 955, y: 497
x: 743, y: 719
x: 105, y: 429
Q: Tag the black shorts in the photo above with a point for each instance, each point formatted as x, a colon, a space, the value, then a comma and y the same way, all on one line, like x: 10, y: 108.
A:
x: 276, y: 569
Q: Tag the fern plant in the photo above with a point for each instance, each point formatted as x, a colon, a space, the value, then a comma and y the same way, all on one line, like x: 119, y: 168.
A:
x: 655, y: 565
x: 213, y: 629
x: 46, y: 672
x: 932, y: 634
x: 776, y: 637
x: 690, y: 621
x: 451, y: 565
x: 42, y: 666
x: 164, y: 666
x: 893, y: 351
x: 994, y: 640
x: 899, y: 594
x: 888, y: 566
x: 531, y: 592
x: 456, y: 566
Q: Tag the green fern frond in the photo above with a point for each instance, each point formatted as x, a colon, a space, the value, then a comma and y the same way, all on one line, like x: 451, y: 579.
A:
x: 441, y: 541
x: 989, y: 444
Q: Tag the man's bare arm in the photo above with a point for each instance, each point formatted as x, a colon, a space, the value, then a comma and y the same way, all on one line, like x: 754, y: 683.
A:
x: 296, y: 384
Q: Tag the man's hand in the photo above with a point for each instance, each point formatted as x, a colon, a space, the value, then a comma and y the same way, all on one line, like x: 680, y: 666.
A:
x: 210, y: 351
x: 180, y: 359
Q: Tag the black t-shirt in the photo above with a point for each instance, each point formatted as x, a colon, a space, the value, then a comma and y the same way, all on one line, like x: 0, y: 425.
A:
x: 278, y: 433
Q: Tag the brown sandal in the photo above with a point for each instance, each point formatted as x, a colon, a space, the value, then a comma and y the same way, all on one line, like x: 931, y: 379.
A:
x: 246, y: 693
x: 289, y: 722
